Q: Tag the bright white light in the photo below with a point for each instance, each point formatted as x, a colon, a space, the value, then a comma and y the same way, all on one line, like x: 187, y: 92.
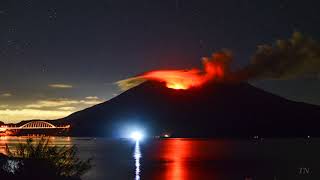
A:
x: 136, y: 135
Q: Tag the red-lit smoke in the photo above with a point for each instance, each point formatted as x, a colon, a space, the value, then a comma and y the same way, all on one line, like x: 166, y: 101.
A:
x: 214, y: 68
x: 185, y: 79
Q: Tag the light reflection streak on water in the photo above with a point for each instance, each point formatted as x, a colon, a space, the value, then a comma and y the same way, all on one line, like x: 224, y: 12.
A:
x: 13, y: 141
x: 137, y: 157
x: 3, y: 142
x: 177, y: 152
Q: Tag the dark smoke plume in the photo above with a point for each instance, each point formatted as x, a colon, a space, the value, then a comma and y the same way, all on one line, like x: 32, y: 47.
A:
x: 296, y: 57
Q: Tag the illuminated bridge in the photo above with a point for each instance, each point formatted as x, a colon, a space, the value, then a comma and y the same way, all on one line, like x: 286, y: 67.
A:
x: 36, y: 127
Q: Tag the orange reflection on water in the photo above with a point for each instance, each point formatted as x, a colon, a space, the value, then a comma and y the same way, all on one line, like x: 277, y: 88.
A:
x: 185, y: 159
x: 3, y: 142
x: 177, y: 152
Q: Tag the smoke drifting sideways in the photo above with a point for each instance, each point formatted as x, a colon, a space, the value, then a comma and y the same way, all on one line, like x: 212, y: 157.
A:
x: 214, y: 69
x: 297, y: 57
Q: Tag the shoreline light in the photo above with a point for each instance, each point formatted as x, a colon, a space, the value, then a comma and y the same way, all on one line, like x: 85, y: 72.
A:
x: 137, y: 136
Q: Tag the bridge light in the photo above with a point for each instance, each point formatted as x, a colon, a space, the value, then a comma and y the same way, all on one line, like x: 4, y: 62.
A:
x: 2, y: 129
x: 136, y: 135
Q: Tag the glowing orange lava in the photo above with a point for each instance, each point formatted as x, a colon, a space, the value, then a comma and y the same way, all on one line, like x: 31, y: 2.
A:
x: 185, y: 79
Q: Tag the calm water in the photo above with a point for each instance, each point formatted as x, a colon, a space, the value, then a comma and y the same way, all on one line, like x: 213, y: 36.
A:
x: 195, y: 159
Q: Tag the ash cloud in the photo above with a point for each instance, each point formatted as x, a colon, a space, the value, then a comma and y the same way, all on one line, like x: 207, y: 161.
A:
x: 297, y: 57
x: 129, y: 83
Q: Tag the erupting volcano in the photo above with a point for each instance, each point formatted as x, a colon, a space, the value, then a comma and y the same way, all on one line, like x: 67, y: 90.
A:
x: 216, y: 109
x: 215, y: 101
x: 185, y: 79
x: 215, y: 69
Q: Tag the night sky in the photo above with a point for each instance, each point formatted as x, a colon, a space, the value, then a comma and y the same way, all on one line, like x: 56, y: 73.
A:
x: 57, y: 57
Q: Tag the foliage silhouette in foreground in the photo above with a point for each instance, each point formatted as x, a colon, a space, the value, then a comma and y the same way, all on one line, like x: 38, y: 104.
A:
x: 42, y: 159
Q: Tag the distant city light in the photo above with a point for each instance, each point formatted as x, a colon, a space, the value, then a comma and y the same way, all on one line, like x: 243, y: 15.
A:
x: 136, y: 135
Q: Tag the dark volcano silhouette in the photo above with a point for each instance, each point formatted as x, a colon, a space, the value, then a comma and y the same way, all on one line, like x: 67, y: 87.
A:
x: 217, y: 109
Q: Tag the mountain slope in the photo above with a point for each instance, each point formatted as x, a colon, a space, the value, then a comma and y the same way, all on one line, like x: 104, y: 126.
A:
x: 218, y: 109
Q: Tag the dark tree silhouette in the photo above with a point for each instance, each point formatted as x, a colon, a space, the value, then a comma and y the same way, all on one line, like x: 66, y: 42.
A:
x: 42, y: 160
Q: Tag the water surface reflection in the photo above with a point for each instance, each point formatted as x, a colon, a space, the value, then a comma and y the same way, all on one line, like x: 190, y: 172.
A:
x: 137, y: 156
x: 177, y: 152
x: 181, y: 159
x: 193, y: 159
x: 12, y: 141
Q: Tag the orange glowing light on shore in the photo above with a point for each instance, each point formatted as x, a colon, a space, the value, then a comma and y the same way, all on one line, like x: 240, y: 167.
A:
x: 185, y: 79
